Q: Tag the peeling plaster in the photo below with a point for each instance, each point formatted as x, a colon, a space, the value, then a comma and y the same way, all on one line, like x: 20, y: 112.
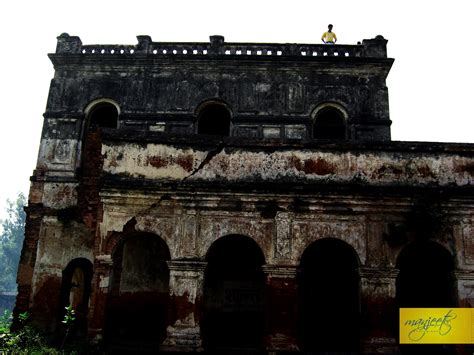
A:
x: 303, y: 165
x: 152, y: 161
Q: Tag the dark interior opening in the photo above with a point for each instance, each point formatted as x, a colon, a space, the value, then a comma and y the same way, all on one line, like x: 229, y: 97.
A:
x: 426, y: 280
x: 214, y: 119
x: 426, y: 276
x: 234, y: 296
x: 139, y: 295
x: 103, y: 115
x: 329, y: 124
x: 75, y: 292
x: 329, y: 301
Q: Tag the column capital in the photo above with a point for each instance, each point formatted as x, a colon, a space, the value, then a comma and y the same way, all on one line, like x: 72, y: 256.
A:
x: 377, y: 272
x: 280, y: 271
x: 187, y: 265
x: 464, y: 275
x: 104, y: 260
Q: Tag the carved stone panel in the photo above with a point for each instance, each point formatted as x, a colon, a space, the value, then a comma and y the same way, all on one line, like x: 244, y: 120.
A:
x: 283, y: 235
x: 296, y: 99
x: 247, y: 96
x: 468, y: 239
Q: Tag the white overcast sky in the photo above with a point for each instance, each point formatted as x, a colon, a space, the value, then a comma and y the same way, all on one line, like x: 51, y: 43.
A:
x: 430, y: 84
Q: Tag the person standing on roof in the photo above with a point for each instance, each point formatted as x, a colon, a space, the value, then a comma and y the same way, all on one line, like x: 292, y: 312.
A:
x: 329, y: 37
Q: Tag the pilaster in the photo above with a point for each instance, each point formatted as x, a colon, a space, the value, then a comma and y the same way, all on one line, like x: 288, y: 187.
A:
x: 100, y: 289
x: 379, y: 311
x: 186, y: 290
x: 465, y: 287
x: 281, y: 308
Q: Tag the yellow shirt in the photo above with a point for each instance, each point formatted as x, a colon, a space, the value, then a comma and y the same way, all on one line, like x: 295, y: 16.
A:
x: 329, y: 37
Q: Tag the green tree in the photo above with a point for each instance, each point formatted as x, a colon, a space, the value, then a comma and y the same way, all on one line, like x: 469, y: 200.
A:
x: 11, y: 241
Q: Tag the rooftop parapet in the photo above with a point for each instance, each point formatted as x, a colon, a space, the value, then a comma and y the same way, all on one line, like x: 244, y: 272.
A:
x: 369, y: 48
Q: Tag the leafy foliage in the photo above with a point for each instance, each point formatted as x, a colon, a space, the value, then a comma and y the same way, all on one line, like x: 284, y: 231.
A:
x: 68, y: 321
x: 27, y: 340
x: 11, y: 241
x: 69, y: 317
x: 30, y: 340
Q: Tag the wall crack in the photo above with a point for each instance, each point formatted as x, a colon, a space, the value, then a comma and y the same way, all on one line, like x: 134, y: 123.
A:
x: 210, y: 155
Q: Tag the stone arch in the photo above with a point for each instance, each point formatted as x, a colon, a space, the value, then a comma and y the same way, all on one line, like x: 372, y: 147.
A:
x: 148, y: 221
x: 75, y: 292
x: 329, y: 121
x: 426, y: 280
x: 328, y: 293
x: 234, y: 284
x: 141, y: 223
x: 103, y: 112
x: 214, y: 118
x: 139, y: 290
x: 349, y: 244
x: 353, y: 235
x: 426, y: 275
x: 229, y: 226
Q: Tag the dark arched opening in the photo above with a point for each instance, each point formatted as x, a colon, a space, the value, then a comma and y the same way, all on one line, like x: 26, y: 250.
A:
x: 329, y: 123
x: 233, y: 295
x: 426, y: 280
x: 103, y: 115
x: 139, y: 295
x: 214, y: 119
x: 426, y: 276
x: 75, y: 292
x: 329, y: 297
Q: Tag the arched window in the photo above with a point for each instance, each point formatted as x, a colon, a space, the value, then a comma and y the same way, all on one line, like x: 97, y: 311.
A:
x: 234, y: 296
x: 104, y: 115
x: 329, y: 123
x: 214, y: 119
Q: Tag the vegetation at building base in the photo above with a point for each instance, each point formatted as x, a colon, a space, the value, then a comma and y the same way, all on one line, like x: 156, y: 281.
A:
x: 28, y: 339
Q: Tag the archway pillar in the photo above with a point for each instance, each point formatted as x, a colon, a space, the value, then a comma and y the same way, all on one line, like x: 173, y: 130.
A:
x: 186, y: 290
x: 379, y: 309
x: 465, y: 288
x: 281, y: 303
x: 98, y: 301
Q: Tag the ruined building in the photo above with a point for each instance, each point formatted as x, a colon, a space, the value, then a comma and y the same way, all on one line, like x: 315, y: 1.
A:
x: 218, y: 196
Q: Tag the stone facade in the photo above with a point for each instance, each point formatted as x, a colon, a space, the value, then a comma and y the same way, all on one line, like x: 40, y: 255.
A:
x: 228, y: 196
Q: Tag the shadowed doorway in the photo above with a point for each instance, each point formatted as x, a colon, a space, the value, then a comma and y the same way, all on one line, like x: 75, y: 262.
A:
x: 329, y: 301
x: 426, y: 280
x: 138, y: 302
x: 233, y: 296
x: 75, y: 292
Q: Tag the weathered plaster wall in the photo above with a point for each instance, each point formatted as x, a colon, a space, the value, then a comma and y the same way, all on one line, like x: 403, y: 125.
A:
x: 269, y: 95
x: 59, y: 243
x: 367, y: 224
x: 233, y: 164
x: 265, y: 87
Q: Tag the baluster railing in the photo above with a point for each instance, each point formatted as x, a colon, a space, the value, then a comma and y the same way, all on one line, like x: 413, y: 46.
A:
x: 217, y: 47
